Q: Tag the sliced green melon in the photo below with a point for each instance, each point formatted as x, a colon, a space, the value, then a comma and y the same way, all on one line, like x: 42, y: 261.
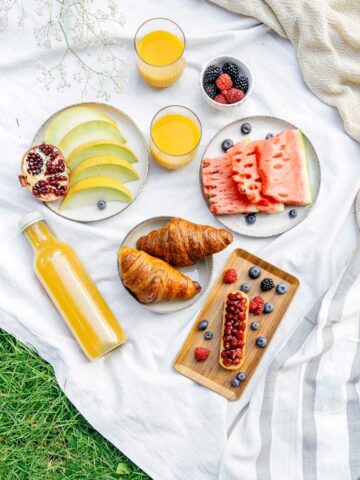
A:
x: 100, y: 148
x: 90, y: 190
x: 89, y: 132
x: 283, y: 167
x: 104, y: 166
x: 70, y: 118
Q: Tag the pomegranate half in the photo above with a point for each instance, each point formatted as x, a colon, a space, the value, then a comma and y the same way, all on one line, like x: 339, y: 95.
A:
x: 44, y: 172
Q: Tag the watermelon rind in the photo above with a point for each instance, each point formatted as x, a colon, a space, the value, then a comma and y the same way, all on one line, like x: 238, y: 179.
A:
x: 309, y: 197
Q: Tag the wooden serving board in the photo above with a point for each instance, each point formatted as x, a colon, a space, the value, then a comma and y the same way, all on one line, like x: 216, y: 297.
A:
x: 210, y: 373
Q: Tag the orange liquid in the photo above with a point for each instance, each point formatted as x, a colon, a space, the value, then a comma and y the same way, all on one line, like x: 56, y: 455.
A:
x: 161, y: 61
x: 174, y: 140
x: 74, y: 293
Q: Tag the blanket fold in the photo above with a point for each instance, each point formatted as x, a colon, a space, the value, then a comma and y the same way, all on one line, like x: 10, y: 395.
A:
x: 326, y: 35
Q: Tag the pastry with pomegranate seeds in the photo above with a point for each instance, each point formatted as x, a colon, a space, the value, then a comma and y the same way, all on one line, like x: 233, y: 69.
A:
x: 44, y: 172
x: 152, y: 279
x: 234, y: 330
x: 183, y: 243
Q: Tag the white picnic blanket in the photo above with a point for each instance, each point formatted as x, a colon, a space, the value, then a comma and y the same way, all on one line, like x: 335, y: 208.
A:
x: 171, y: 427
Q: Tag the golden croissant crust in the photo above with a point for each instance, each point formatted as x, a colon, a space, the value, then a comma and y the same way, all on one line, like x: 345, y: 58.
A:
x: 183, y: 243
x: 152, y: 279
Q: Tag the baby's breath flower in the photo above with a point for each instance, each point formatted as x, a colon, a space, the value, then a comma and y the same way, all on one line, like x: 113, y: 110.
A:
x: 86, y: 31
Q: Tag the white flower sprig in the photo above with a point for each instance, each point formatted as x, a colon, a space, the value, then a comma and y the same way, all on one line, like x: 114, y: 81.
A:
x: 82, y: 28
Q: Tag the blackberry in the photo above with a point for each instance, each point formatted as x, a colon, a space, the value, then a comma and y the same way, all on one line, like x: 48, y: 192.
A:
x: 211, y: 90
x: 267, y: 284
x: 242, y: 83
x: 212, y: 73
x: 231, y: 69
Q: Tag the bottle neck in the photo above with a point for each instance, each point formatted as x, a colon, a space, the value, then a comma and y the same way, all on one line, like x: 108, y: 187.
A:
x: 39, y: 234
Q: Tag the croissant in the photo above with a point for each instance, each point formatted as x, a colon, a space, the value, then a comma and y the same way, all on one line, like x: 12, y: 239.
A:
x: 183, y: 243
x: 152, y: 279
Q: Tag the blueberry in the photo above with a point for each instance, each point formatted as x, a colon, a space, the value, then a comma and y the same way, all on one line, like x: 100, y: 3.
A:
x: 235, y: 382
x: 203, y: 325
x: 254, y: 326
x: 268, y: 307
x: 251, y: 218
x: 245, y: 128
x: 269, y: 135
x: 101, y: 204
x: 293, y: 213
x: 208, y: 335
x: 281, y: 289
x: 226, y: 144
x: 261, y: 342
x: 241, y: 376
x: 254, y: 272
x: 245, y: 287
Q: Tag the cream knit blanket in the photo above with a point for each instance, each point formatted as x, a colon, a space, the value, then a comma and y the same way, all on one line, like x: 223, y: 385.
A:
x: 326, y: 35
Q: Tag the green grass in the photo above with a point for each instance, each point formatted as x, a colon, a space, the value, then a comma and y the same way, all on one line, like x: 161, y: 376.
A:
x: 42, y: 436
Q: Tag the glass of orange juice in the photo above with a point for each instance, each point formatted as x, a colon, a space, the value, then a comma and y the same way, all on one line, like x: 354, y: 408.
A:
x: 175, y: 134
x: 160, y: 45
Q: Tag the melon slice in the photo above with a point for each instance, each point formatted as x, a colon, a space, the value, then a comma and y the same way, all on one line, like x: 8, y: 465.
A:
x: 232, y: 356
x: 71, y: 118
x: 104, y: 166
x: 100, y: 148
x: 90, y: 190
x: 220, y: 188
x: 89, y: 132
x: 245, y: 174
x: 283, y: 167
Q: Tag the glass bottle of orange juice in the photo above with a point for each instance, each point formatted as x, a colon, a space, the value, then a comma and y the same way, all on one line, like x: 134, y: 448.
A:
x: 72, y: 290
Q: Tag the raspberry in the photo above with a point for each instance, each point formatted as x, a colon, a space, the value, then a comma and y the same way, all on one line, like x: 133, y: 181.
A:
x: 220, y: 98
x: 230, y: 276
x: 201, y: 354
x: 257, y: 306
x: 234, y: 95
x: 224, y: 82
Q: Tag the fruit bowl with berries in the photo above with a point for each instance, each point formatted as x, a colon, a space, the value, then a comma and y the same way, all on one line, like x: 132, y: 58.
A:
x: 226, y: 82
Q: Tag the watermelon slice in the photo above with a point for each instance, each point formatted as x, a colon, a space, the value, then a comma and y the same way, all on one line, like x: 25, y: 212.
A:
x: 245, y: 174
x: 220, y: 188
x: 283, y: 167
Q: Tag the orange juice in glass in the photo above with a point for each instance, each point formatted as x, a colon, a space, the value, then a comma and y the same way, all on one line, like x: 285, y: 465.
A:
x: 160, y: 45
x: 175, y: 134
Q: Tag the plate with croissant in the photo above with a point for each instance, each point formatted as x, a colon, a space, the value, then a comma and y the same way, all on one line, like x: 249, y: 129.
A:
x: 165, y: 263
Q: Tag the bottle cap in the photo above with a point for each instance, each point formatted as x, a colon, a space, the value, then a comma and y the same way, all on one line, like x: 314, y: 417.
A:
x: 29, y: 219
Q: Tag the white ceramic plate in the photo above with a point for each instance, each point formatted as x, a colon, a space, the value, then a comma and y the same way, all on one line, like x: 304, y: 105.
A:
x: 200, y: 272
x: 266, y: 225
x: 135, y: 141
